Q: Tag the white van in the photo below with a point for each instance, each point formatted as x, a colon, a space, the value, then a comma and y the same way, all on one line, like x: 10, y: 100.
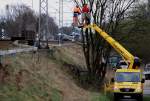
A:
x: 147, y: 71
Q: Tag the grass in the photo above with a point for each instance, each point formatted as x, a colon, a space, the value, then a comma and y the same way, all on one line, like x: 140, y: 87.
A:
x: 35, y: 85
x: 10, y: 93
x: 31, y: 93
x: 56, y: 95
x: 100, y: 97
x: 146, y: 98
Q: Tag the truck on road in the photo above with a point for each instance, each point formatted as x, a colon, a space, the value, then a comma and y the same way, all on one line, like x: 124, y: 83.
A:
x: 128, y: 81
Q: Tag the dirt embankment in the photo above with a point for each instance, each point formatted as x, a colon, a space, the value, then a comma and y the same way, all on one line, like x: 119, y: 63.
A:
x: 36, y: 77
x: 71, y: 53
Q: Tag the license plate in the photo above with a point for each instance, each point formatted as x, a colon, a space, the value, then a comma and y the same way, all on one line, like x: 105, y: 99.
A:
x: 126, y: 96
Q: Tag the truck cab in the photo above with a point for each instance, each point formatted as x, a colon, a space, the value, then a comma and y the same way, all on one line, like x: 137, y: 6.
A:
x: 128, y: 83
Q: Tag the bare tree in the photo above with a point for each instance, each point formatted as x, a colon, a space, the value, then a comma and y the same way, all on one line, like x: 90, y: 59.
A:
x: 107, y: 14
x: 20, y: 19
x: 52, y: 26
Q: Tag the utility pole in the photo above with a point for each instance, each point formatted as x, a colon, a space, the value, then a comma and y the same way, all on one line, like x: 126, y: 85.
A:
x: 43, y: 34
x: 32, y: 4
x: 60, y: 20
x: 7, y: 11
x: 61, y: 13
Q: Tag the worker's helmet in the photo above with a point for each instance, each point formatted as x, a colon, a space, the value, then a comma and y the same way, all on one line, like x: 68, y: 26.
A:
x: 77, y: 6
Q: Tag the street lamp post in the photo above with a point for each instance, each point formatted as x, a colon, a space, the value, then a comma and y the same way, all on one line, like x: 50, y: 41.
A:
x: 59, y: 35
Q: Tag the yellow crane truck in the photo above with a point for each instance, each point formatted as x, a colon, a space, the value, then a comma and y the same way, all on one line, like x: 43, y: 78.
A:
x: 128, y: 82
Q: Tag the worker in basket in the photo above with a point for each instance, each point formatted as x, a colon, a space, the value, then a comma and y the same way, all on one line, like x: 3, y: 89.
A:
x: 85, y: 14
x: 76, y: 13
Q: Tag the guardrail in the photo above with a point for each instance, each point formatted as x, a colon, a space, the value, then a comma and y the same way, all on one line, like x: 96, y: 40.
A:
x: 13, y: 51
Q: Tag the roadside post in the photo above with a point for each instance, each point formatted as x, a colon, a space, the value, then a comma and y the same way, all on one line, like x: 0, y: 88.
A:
x: 59, y: 35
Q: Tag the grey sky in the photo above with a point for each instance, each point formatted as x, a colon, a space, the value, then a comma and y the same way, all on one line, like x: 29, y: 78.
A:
x: 53, y: 8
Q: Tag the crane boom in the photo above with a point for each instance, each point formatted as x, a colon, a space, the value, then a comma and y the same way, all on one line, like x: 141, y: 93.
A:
x: 116, y: 45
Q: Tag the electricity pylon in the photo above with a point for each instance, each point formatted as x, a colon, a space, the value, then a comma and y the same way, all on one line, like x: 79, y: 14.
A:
x: 43, y: 28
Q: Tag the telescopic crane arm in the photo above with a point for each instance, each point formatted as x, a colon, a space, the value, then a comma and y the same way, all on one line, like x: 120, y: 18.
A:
x: 118, y: 47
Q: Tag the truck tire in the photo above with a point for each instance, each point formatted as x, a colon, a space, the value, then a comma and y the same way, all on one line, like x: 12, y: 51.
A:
x: 140, y: 98
x: 115, y: 98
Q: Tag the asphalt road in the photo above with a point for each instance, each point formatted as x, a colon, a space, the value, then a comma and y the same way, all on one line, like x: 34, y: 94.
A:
x: 147, y: 88
x: 147, y: 92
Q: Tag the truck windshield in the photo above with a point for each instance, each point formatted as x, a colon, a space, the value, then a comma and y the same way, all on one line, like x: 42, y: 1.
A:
x: 127, y: 77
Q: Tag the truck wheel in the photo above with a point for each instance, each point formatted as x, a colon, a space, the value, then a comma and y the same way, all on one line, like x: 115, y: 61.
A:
x: 140, y: 98
x: 146, y: 77
x: 115, y: 98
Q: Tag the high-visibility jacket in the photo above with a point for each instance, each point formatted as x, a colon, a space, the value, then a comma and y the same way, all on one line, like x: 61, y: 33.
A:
x: 85, y: 9
x: 77, y: 10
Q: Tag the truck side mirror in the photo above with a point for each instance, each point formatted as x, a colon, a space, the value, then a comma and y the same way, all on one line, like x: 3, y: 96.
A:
x: 143, y: 81
x: 112, y: 80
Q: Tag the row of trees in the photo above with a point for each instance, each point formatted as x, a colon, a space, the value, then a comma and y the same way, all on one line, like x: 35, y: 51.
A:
x: 125, y: 20
x: 20, y: 17
x: 137, y: 31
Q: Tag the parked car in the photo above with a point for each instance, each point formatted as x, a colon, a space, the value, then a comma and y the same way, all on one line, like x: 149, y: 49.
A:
x: 147, y: 71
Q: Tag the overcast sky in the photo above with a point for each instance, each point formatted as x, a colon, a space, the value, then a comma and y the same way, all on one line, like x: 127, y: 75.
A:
x: 53, y: 8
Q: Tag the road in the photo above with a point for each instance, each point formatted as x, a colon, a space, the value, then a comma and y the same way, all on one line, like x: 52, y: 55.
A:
x: 147, y: 88
x: 147, y: 91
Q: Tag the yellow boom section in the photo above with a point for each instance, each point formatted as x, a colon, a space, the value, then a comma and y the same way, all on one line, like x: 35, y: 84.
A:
x: 118, y: 47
